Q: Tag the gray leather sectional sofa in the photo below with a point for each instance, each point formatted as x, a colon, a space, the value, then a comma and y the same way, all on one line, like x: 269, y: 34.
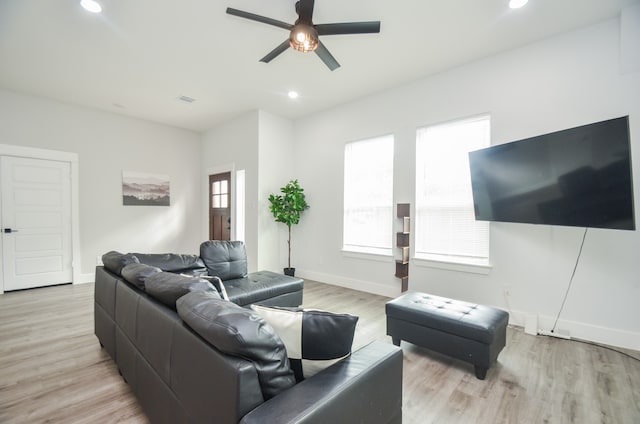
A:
x: 182, y: 376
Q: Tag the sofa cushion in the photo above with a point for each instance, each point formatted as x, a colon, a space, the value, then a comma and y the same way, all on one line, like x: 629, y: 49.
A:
x: 168, y: 287
x: 224, y: 259
x: 173, y: 262
x: 314, y: 339
x: 261, y: 286
x: 137, y: 273
x: 238, y: 331
x: 115, y: 261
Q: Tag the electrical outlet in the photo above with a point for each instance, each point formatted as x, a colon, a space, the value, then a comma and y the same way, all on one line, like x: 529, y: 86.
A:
x: 506, y: 289
x: 99, y: 261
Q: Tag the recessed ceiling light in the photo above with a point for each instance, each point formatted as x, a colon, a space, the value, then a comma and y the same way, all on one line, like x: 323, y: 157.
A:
x: 293, y: 94
x: 91, y: 6
x: 517, y: 4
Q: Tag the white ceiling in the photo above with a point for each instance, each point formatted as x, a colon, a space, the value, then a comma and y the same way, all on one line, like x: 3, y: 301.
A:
x: 139, y: 56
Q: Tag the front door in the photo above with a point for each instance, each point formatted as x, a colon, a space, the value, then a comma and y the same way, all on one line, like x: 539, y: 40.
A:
x: 36, y: 222
x: 220, y: 206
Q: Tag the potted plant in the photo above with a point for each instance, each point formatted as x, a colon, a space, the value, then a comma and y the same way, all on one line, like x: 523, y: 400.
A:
x: 287, y: 208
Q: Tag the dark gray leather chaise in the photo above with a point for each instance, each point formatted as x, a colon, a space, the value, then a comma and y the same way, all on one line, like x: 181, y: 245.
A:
x: 179, y: 376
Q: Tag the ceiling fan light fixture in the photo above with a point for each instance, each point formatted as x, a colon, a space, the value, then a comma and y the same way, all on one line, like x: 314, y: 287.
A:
x: 517, y: 4
x: 91, y: 6
x: 303, y: 38
x: 304, y: 35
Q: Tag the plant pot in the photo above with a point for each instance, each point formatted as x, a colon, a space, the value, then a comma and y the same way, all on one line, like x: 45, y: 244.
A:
x: 291, y: 272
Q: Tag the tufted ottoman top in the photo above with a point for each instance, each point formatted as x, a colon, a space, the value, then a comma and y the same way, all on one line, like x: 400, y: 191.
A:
x: 468, y: 320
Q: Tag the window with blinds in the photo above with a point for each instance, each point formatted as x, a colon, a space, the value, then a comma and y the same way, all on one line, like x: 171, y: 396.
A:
x: 368, y: 196
x: 446, y: 229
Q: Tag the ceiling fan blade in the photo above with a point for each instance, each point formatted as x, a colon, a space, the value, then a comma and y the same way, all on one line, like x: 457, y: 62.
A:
x: 275, y: 52
x: 327, y: 57
x: 258, y: 18
x: 304, y: 9
x: 370, y: 27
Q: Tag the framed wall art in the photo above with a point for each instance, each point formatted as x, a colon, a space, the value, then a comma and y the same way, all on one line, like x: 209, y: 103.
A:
x: 143, y: 189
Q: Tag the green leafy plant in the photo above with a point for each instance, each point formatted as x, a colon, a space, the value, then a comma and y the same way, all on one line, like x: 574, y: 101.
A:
x: 288, y: 206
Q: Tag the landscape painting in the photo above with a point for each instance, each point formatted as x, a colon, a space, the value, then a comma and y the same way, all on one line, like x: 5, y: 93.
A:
x: 141, y: 189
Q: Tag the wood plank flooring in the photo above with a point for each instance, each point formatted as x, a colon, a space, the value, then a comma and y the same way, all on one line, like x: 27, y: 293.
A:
x: 53, y: 370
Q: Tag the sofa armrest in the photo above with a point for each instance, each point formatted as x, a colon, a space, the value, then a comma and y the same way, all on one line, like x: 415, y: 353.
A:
x: 364, y: 388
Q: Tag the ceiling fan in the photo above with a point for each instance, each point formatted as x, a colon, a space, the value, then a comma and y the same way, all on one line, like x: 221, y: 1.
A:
x: 304, y: 34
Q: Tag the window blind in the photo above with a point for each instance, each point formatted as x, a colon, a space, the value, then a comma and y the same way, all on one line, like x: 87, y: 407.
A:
x: 368, y: 195
x: 446, y: 228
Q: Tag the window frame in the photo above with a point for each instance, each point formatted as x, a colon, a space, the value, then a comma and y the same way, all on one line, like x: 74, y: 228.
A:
x: 481, y: 265
x: 363, y: 251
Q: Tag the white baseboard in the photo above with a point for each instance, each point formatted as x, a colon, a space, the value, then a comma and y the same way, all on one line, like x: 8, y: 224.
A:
x: 593, y: 333
x: 351, y: 283
x: 577, y: 330
x: 85, y: 278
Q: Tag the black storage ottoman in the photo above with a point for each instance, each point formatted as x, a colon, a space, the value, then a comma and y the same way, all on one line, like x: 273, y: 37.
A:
x: 466, y: 331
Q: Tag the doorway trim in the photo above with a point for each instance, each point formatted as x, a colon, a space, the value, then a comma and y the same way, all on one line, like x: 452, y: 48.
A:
x: 229, y: 198
x: 72, y: 158
x: 219, y: 169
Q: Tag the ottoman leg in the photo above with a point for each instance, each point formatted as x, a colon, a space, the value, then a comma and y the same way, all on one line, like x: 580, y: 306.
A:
x: 395, y: 340
x: 481, y: 372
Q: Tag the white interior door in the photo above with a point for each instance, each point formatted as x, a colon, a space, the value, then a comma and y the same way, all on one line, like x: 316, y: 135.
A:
x: 36, y: 222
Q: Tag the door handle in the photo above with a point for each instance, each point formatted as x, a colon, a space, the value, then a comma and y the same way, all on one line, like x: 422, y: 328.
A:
x: 10, y: 230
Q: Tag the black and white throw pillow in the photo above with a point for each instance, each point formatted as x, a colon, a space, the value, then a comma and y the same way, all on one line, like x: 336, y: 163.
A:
x: 314, y: 339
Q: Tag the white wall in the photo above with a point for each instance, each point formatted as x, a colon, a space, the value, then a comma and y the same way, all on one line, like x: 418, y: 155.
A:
x: 276, y: 168
x: 629, y: 36
x: 262, y: 144
x: 107, y: 144
x: 562, y: 82
x: 229, y: 147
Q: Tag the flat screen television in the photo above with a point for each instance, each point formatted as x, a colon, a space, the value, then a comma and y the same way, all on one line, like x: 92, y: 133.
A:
x: 579, y: 177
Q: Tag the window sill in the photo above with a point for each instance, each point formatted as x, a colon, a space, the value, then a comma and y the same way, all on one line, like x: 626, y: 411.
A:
x: 380, y: 257
x: 450, y: 264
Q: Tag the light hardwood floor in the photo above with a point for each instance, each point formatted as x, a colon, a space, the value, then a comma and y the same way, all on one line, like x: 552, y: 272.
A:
x: 53, y: 370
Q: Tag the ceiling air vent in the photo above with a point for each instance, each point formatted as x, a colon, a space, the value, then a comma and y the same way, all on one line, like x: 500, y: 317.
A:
x: 186, y: 99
